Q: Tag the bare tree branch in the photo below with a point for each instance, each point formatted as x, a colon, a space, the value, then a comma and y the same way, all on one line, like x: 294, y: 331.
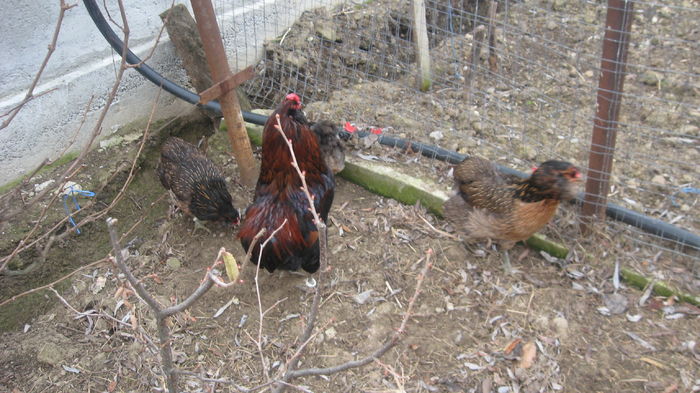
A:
x: 323, y: 261
x: 379, y: 352
x: 261, y: 315
x: 90, y: 218
x: 223, y: 381
x: 162, y: 313
x: 51, y: 48
x: 51, y: 284
x: 70, y: 171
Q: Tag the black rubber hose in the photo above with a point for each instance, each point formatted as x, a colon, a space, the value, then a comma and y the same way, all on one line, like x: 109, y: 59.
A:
x: 152, y: 75
x: 619, y: 213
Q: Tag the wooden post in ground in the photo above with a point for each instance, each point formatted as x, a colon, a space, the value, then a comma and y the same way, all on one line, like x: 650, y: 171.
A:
x: 493, y: 56
x: 183, y: 33
x: 420, y: 36
x: 220, y: 71
x: 618, y: 25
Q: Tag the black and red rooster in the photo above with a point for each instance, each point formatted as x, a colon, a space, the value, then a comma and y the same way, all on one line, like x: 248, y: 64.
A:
x: 279, y: 196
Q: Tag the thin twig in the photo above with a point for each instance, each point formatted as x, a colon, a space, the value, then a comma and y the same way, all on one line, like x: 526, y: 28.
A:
x: 51, y: 284
x: 323, y: 258
x: 222, y: 381
x: 395, y: 338
x: 443, y: 233
x: 261, y: 315
x: 51, y: 48
x: 97, y: 129
x: 161, y: 313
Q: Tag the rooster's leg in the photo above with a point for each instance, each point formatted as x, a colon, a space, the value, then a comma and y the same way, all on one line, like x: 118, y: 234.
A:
x: 507, y: 267
x: 199, y: 225
x: 505, y: 246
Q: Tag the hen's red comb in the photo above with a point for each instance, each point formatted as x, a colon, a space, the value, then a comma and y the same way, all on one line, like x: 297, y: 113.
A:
x: 293, y: 97
x: 534, y: 168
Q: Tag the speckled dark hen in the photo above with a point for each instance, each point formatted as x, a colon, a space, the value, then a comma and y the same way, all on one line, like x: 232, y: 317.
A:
x: 332, y: 149
x: 198, y: 185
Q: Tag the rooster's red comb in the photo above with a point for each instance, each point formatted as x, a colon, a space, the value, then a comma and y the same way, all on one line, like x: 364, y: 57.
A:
x: 293, y: 97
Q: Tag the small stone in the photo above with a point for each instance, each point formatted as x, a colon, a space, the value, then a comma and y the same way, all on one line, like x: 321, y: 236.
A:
x: 528, y: 152
x: 51, y: 354
x: 320, y: 338
x: 561, y: 327
x: 690, y: 129
x: 477, y: 126
x: 326, y: 30
x: 459, y: 338
x: 541, y: 322
x: 589, y: 74
x: 437, y: 135
x: 650, y: 78
x: 173, y: 263
x: 97, y: 286
x: 558, y: 5
x: 293, y: 60
x: 113, y: 141
x: 331, y: 333
x: 70, y: 187
x: 134, y: 136
x: 659, y: 179
x: 42, y: 186
x: 615, y: 303
x: 551, y: 25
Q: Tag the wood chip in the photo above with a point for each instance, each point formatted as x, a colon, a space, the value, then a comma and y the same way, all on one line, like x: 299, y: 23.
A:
x: 640, y: 341
x: 654, y: 363
x: 529, y: 353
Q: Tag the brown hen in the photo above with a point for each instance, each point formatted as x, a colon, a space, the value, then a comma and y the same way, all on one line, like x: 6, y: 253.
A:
x: 491, y: 206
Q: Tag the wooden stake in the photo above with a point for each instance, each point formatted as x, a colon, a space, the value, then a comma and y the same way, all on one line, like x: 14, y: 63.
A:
x: 230, y: 106
x: 420, y: 36
x: 493, y: 57
x: 184, y: 35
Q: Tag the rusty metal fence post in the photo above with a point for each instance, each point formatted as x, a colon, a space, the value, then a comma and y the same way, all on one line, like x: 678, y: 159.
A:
x: 618, y: 25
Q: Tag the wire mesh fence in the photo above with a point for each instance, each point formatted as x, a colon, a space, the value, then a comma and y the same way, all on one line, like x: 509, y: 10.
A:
x: 515, y: 81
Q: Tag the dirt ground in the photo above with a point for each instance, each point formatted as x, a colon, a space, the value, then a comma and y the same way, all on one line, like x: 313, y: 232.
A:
x: 474, y: 328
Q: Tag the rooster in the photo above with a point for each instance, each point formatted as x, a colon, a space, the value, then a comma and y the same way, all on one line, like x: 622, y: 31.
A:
x: 489, y: 205
x: 278, y: 193
x: 196, y: 183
